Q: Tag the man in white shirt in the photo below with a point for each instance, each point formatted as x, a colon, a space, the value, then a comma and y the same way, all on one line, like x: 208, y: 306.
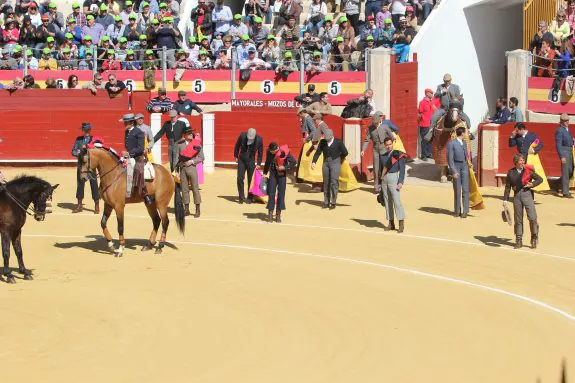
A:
x: 253, y: 62
x: 222, y: 15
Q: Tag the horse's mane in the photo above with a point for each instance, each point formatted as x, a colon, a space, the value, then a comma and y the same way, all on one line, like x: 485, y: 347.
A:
x: 24, y: 180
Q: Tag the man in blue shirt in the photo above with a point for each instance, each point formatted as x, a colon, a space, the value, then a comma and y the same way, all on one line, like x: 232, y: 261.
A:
x: 502, y: 114
x: 523, y: 139
x: 564, y: 146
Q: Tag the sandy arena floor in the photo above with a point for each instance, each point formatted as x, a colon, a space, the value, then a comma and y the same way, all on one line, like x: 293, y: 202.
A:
x: 327, y: 296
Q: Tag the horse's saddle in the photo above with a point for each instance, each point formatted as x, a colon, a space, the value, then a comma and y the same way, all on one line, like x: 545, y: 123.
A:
x: 149, y: 174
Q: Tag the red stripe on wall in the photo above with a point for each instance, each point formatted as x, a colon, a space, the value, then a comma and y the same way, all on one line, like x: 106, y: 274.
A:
x: 550, y: 107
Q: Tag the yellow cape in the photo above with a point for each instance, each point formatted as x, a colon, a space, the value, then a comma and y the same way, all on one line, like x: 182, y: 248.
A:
x: 398, y: 143
x: 149, y: 154
x: 535, y: 161
x: 347, y: 180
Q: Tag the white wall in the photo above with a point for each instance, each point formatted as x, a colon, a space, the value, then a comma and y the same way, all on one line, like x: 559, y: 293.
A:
x: 468, y: 39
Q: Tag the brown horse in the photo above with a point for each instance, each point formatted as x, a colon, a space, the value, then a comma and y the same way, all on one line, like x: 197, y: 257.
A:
x: 113, y: 189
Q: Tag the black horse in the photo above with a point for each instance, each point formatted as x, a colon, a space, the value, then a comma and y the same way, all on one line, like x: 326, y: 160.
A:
x: 15, y: 199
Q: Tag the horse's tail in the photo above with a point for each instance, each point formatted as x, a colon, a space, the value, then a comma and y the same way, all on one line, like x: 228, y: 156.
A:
x: 179, y: 207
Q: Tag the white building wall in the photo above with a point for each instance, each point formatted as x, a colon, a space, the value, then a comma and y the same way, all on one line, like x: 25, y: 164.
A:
x: 468, y: 39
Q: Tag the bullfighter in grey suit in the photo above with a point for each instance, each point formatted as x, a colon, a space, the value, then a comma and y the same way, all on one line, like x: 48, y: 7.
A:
x: 457, y: 160
x: 564, y: 145
x: 377, y: 133
x: 393, y: 175
x: 146, y: 129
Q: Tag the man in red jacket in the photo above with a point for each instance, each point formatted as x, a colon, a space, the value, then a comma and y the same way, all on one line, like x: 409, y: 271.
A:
x: 427, y: 106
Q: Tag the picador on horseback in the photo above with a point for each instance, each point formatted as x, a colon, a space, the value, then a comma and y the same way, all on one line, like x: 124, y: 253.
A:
x: 135, y: 148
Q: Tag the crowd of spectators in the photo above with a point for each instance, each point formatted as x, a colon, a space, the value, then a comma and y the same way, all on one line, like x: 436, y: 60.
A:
x: 133, y: 34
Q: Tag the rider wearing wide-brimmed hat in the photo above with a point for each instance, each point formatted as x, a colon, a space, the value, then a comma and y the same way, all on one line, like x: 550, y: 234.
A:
x: 81, y: 143
x: 135, y: 148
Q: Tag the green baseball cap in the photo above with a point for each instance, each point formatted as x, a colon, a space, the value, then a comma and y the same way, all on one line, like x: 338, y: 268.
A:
x: 72, y: 20
x: 388, y: 21
x: 181, y: 51
x: 204, y: 38
x: 132, y: 16
x: 129, y: 3
x: 316, y: 53
x: 89, y: 52
x: 369, y: 38
x: 288, y: 54
x: 69, y: 36
x: 123, y: 40
x: 75, y: 5
x: 28, y: 52
x: 105, y: 38
x: 237, y: 16
x: 163, y: 5
x: 143, y: 37
x: 145, y: 4
x: 129, y: 52
x: 271, y: 37
x: 328, y: 18
x: 245, y: 37
x: 52, y: 5
x: 103, y: 7
x: 339, y: 39
x: 192, y: 39
x: 258, y: 19
x: 90, y: 17
x: 155, y: 21
x: 17, y: 48
x: 66, y: 50
x: 202, y: 52
x: 117, y: 18
x: 88, y: 38
x: 49, y: 39
x: 46, y: 51
x: 111, y: 51
x: 149, y: 52
x: 343, y: 19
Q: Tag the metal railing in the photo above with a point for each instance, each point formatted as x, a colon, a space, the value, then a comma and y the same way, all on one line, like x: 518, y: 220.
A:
x: 535, y: 11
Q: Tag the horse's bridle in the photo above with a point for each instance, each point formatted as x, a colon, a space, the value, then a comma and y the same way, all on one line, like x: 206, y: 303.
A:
x: 27, y: 209
x: 101, y: 176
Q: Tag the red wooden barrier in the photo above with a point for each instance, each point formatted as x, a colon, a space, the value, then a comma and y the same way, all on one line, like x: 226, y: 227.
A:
x: 403, y: 103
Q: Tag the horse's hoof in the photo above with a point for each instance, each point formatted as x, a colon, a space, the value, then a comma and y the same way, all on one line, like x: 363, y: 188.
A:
x: 28, y: 277
x: 10, y: 279
x: 118, y: 254
x: 158, y: 250
x: 147, y: 248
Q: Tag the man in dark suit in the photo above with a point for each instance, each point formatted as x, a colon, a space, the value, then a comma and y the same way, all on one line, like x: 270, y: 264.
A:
x: 522, y: 178
x: 247, y: 145
x: 523, y: 139
x: 173, y: 130
x: 564, y: 146
x: 457, y: 160
x: 502, y: 114
x: 134, y: 143
x: 334, y: 152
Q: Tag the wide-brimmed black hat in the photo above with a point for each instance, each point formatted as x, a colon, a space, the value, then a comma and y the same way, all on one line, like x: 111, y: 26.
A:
x: 187, y: 130
x: 86, y: 126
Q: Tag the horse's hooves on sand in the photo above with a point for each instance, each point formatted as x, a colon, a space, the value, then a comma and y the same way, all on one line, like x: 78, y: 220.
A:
x: 147, y: 247
x: 10, y: 279
x: 158, y: 250
x: 28, y: 277
x: 118, y: 254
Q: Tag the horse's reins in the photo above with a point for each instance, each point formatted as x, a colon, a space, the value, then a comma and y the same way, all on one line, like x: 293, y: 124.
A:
x: 27, y: 209
x: 101, y: 176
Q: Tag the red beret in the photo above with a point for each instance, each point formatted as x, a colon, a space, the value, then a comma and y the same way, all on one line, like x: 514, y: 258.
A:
x: 428, y: 90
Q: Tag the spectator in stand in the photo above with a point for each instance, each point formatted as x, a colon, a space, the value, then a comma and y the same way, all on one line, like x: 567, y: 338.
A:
x: 45, y: 32
x: 271, y: 52
x: 322, y: 106
x: 32, y: 61
x: 316, y: 14
x: 216, y: 42
x: 73, y: 82
x: 77, y: 15
x: 50, y: 83
x: 121, y: 49
x: 151, y: 4
x: 254, y: 9
x: 67, y: 63
x: 163, y: 12
x: 86, y: 47
x: 227, y: 45
x: 308, y: 98
x: 75, y: 31
x: 382, y: 15
x: 127, y: 12
x: 103, y: 47
x: 88, y: 62
x: 243, y: 49
x: 10, y: 34
x: 222, y: 15
x: 346, y: 31
x: 253, y: 62
x: 67, y: 44
x: 202, y: 17
x: 132, y: 32
x: 47, y: 62
x: 131, y: 63
x: 258, y: 33
x: 17, y: 83
x: 56, y: 17
x: 565, y: 63
x: 308, y: 43
x: 351, y: 9
x: 502, y: 114
x: 289, y: 34
x: 369, y: 29
x: 544, y: 60
x: 426, y: 6
x: 184, y: 105
x: 401, y: 40
x: 29, y: 82
x: 27, y: 33
x: 144, y: 45
x: 289, y: 8
x: 411, y: 18
x: 113, y: 7
x: 90, y: 7
x: 372, y: 8
x: 193, y: 49
x: 287, y: 65
x: 34, y: 14
x: 203, y: 61
x: 326, y: 35
x: 515, y: 111
x: 150, y: 62
x: 369, y: 45
x: 168, y: 36
x: 114, y: 86
x: 398, y: 8
x: 361, y: 107
x: 152, y: 33
x: 340, y: 55
x: 542, y: 33
x: 425, y: 111
x: 104, y: 18
x: 182, y: 61
x: 205, y: 45
x: 316, y: 65
x: 559, y: 28
x: 116, y: 30
x: 93, y: 29
x: 159, y: 104
x: 237, y: 29
x: 571, y: 14
x: 8, y: 62
x: 145, y: 17
x: 111, y: 63
x: 223, y: 61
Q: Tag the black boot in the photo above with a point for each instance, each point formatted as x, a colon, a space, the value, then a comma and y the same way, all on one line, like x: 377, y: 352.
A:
x: 534, y: 226
x: 389, y: 227
x: 400, y: 230
x: 270, y: 216
x: 187, y: 209
x: 79, y: 208
x: 97, y: 207
x: 278, y: 216
x: 197, y: 213
x: 518, y: 242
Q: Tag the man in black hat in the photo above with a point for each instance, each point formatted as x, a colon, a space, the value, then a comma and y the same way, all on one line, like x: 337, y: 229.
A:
x: 184, y: 106
x: 160, y: 104
x: 334, y: 152
x: 247, y: 145
x: 173, y: 130
x: 134, y: 143
x: 308, y: 98
x: 81, y: 143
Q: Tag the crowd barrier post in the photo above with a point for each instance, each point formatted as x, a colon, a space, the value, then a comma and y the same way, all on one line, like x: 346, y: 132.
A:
x: 164, y: 67
x: 95, y: 64
x: 301, y: 72
x: 379, y: 78
x: 208, y: 141
x: 233, y: 79
x: 352, y: 139
x: 518, y: 73
x: 367, y: 65
x: 25, y: 69
x: 156, y: 125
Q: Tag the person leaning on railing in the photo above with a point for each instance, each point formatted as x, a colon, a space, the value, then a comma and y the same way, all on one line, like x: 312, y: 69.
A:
x: 544, y: 60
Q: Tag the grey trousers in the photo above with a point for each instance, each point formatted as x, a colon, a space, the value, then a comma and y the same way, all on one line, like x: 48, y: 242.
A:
x: 330, y: 171
x: 461, y: 188
x: 524, y: 200
x: 391, y: 195
x: 172, y: 155
x: 566, y: 171
x: 189, y: 174
x: 376, y: 170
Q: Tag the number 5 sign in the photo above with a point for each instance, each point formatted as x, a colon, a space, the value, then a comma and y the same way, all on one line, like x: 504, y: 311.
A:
x: 267, y: 87
x: 334, y: 88
x: 198, y: 86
